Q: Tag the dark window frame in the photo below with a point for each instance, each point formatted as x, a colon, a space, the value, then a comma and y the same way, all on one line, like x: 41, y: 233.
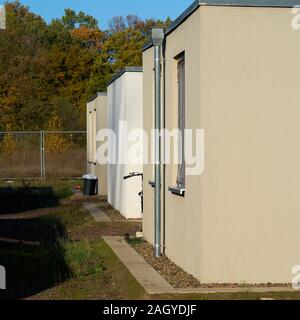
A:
x: 181, y: 75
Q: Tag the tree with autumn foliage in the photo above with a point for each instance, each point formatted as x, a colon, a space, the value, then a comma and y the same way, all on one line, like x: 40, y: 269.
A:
x: 48, y: 71
x: 55, y: 141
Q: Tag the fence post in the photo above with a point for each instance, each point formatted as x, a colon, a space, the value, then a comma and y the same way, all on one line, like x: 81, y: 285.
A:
x: 42, y: 145
x: 41, y: 154
x: 44, y: 156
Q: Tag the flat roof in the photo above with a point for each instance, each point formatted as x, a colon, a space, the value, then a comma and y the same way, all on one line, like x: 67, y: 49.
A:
x: 228, y: 3
x: 121, y: 72
x: 95, y: 96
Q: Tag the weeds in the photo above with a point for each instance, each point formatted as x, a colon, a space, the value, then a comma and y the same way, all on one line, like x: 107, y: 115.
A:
x: 83, y: 257
x: 134, y: 241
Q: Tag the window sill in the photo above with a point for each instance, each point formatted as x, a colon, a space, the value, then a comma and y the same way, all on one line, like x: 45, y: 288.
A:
x: 177, y: 191
x: 152, y: 184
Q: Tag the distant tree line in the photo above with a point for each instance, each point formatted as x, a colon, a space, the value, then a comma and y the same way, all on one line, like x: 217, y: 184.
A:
x: 48, y: 71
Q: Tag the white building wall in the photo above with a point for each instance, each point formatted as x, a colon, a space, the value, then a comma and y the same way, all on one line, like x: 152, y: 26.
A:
x: 125, y: 105
x: 96, y: 120
x: 90, y: 115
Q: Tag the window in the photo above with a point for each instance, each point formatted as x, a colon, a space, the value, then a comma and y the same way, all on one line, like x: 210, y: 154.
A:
x: 181, y: 120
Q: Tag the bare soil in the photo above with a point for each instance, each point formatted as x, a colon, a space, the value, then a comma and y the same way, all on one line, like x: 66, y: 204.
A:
x: 111, y: 212
x: 30, y: 214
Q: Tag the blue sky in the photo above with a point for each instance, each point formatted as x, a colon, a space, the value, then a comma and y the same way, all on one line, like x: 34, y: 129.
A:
x: 104, y: 10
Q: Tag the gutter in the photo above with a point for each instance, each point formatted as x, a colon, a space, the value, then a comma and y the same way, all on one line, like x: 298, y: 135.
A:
x: 122, y: 71
x: 221, y: 3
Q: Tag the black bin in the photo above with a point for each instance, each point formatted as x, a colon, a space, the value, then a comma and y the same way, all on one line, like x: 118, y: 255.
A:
x: 90, y: 185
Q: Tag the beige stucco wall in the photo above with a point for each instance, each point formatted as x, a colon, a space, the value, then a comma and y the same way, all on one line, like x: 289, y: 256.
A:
x: 183, y: 217
x: 239, y: 221
x: 96, y: 120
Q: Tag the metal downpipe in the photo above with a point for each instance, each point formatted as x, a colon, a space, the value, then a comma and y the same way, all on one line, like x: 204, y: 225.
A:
x: 157, y: 58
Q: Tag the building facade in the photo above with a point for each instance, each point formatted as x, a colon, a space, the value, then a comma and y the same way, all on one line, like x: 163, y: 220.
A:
x: 237, y: 64
x: 125, y: 108
x: 96, y: 120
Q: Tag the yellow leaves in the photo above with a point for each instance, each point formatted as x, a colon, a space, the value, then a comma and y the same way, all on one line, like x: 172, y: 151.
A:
x: 8, y: 143
x: 86, y: 34
x: 54, y: 123
x: 55, y: 143
x: 70, y: 58
x: 54, y: 140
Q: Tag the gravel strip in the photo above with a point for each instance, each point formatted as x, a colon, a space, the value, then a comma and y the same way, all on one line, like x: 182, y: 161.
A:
x: 176, y: 276
x: 180, y: 279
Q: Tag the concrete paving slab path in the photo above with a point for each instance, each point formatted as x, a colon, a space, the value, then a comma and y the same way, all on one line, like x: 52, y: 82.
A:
x: 96, y: 212
x: 149, y: 279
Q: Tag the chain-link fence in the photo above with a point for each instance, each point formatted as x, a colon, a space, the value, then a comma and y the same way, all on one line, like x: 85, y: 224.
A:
x: 43, y: 154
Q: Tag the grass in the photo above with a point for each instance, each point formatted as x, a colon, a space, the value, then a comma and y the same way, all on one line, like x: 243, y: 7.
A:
x: 70, y: 263
x: 83, y: 257
x: 114, y: 282
x: 24, y: 164
x: 32, y: 269
x: 134, y: 241
x: 61, y: 188
x: 20, y: 196
x: 73, y: 262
